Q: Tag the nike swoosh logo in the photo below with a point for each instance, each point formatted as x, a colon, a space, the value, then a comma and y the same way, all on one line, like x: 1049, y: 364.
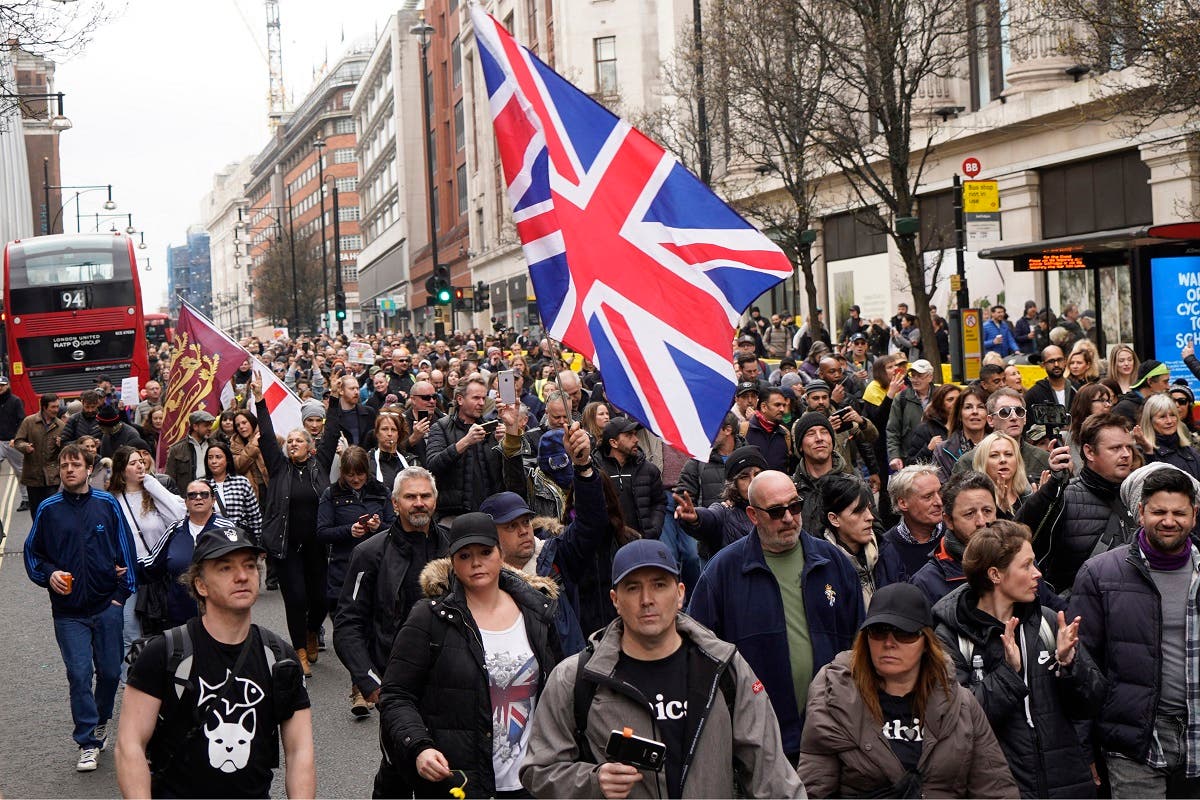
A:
x: 1043, y: 657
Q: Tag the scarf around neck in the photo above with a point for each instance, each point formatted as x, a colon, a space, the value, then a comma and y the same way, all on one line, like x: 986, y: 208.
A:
x: 1160, y: 561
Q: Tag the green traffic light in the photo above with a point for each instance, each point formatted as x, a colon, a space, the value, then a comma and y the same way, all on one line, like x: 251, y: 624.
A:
x: 443, y: 296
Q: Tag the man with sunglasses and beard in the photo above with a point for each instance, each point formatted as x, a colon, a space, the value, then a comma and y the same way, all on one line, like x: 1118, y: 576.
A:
x: 787, y: 600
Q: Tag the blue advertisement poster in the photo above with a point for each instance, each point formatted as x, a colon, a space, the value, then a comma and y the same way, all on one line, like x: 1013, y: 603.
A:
x: 1176, y: 287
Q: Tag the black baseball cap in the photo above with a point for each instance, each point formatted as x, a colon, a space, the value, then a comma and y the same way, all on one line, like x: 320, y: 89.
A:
x: 505, y: 507
x: 473, y: 528
x: 746, y: 386
x: 216, y: 542
x: 643, y: 553
x: 618, y: 425
x: 901, y: 605
x: 858, y: 337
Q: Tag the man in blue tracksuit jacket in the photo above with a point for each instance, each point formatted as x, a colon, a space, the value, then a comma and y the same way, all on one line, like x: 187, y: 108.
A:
x: 789, y: 601
x: 81, y: 550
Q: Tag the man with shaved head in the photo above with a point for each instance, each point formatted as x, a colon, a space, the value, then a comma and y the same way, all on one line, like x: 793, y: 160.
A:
x: 751, y: 595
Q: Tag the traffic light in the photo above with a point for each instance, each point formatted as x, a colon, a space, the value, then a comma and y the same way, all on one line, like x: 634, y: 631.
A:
x: 482, y: 301
x: 339, y: 305
x: 441, y: 278
x: 460, y: 304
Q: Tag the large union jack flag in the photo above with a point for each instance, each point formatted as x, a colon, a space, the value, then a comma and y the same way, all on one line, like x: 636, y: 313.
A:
x: 635, y: 262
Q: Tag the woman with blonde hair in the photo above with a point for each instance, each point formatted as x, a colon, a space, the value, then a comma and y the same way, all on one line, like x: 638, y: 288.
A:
x: 886, y: 718
x: 1164, y: 438
x: 1123, y: 365
x: 1083, y: 363
x: 999, y: 457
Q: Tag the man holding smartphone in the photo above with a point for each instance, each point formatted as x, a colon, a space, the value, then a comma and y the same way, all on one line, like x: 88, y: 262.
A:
x: 652, y: 670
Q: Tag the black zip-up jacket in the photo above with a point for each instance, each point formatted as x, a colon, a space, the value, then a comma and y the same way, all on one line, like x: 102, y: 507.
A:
x: 704, y: 481
x: 372, y: 605
x: 338, y: 510
x: 1168, y: 450
x: 643, y: 480
x: 1042, y: 393
x: 12, y: 411
x: 435, y: 691
x: 1121, y: 626
x: 78, y: 425
x: 466, y: 479
x: 1068, y: 519
x: 1031, y: 716
x: 277, y: 535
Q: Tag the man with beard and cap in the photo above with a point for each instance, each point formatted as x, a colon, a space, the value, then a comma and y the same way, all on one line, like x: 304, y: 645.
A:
x: 638, y: 482
x: 185, y: 459
x: 1153, y: 377
x: 1054, y: 388
x: 724, y: 521
x: 544, y: 546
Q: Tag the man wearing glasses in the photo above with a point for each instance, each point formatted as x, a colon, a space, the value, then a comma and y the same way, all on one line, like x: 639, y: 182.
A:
x: 422, y: 413
x: 400, y: 379
x: 787, y: 600
x: 1006, y: 413
x: 1054, y: 388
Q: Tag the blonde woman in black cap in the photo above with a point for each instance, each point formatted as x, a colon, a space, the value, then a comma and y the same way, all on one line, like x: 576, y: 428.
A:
x: 473, y: 656
x: 886, y: 719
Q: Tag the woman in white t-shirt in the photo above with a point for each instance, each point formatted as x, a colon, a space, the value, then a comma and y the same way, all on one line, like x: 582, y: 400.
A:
x: 149, y: 510
x: 480, y: 616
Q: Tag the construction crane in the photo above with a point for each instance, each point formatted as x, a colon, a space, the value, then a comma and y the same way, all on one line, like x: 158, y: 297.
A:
x: 276, y: 97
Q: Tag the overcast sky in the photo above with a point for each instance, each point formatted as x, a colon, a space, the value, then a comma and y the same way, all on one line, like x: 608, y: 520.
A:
x: 173, y: 90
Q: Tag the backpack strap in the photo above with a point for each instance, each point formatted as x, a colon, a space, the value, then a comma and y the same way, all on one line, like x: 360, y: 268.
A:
x: 179, y: 658
x: 584, y: 693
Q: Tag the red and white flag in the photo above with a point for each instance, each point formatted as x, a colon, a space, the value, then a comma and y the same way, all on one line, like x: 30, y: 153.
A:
x: 282, y: 402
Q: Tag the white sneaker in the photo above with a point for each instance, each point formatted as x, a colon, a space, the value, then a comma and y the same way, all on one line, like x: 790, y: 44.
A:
x: 88, y: 756
x: 101, y: 733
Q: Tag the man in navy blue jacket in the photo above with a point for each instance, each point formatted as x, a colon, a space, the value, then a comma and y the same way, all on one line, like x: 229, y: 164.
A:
x: 789, y: 601
x: 80, y: 549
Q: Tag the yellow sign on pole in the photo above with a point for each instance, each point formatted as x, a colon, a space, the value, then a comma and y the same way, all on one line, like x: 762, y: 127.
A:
x: 955, y: 283
x: 981, y: 197
x: 972, y: 342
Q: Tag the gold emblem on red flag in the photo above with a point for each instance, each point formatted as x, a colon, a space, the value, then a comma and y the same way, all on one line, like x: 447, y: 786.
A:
x: 191, y: 381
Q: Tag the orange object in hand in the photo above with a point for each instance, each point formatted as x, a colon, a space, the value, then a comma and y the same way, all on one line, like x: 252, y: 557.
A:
x: 627, y: 732
x: 69, y: 579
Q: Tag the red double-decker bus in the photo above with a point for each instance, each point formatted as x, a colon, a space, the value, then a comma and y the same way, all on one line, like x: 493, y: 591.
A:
x: 72, y: 311
x: 158, y: 329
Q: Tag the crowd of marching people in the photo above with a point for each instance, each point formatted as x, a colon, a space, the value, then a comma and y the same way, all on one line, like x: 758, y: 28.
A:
x: 878, y: 583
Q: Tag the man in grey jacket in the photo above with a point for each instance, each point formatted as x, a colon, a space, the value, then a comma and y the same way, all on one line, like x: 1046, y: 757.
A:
x: 668, y: 678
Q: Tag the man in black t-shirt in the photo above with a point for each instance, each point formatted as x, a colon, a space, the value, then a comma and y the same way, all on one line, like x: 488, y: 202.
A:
x: 224, y: 710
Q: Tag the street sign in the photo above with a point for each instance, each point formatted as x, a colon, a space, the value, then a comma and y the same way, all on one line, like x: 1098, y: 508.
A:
x: 981, y: 209
x: 955, y: 283
x: 972, y: 342
x: 971, y: 167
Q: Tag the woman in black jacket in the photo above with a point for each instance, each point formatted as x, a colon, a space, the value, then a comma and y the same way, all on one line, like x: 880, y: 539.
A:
x: 934, y: 428
x: 484, y: 634
x: 352, y: 510
x: 1026, y: 667
x: 298, y: 480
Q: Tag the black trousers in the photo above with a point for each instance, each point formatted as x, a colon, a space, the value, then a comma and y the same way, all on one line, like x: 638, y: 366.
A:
x: 302, y: 583
x: 37, y: 494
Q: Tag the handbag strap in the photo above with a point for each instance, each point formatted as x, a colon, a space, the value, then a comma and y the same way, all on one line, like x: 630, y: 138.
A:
x: 136, y: 526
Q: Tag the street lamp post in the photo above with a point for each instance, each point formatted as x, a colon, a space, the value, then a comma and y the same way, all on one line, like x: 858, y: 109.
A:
x: 128, y: 219
x: 338, y: 292
x: 423, y: 31
x: 319, y: 146
x: 109, y: 205
x: 292, y: 256
x: 58, y: 122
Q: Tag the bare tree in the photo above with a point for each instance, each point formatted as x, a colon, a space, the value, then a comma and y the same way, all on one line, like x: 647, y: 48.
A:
x: 275, y: 284
x: 878, y: 58
x: 1148, y: 53
x: 48, y: 28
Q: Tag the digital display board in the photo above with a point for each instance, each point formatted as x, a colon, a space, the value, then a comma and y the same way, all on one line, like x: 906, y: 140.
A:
x: 1053, y: 260
x: 1175, y: 285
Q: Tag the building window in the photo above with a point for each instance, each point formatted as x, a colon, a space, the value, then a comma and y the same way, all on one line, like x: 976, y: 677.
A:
x: 431, y: 144
x: 605, y: 51
x: 989, y: 56
x: 460, y: 127
x: 531, y: 26
x: 456, y: 63
x: 345, y: 125
x: 347, y: 213
x: 461, y: 178
x: 344, y: 155
x: 1099, y: 194
x: 433, y: 203
x: 347, y: 184
x: 351, y: 242
x: 349, y: 274
x: 346, y: 95
x: 850, y: 236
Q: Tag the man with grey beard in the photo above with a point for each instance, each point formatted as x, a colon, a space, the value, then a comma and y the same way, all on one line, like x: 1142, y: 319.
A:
x: 382, y: 581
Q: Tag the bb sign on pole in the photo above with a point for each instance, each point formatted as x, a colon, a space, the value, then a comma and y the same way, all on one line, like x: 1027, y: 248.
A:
x: 971, y: 167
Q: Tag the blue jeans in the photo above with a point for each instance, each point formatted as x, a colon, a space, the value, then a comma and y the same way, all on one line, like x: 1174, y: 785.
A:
x: 682, y: 546
x: 131, y: 631
x: 87, y: 644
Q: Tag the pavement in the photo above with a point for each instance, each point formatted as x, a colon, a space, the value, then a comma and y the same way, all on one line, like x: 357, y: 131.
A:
x: 37, y: 754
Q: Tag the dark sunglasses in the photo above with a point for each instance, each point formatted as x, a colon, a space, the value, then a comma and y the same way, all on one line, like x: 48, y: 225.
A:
x: 880, y: 633
x: 1182, y: 401
x: 776, y: 512
x: 199, y: 495
x: 425, y: 397
x: 1011, y: 411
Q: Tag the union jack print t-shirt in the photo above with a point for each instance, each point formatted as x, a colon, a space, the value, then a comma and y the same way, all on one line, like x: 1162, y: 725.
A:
x: 513, y: 680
